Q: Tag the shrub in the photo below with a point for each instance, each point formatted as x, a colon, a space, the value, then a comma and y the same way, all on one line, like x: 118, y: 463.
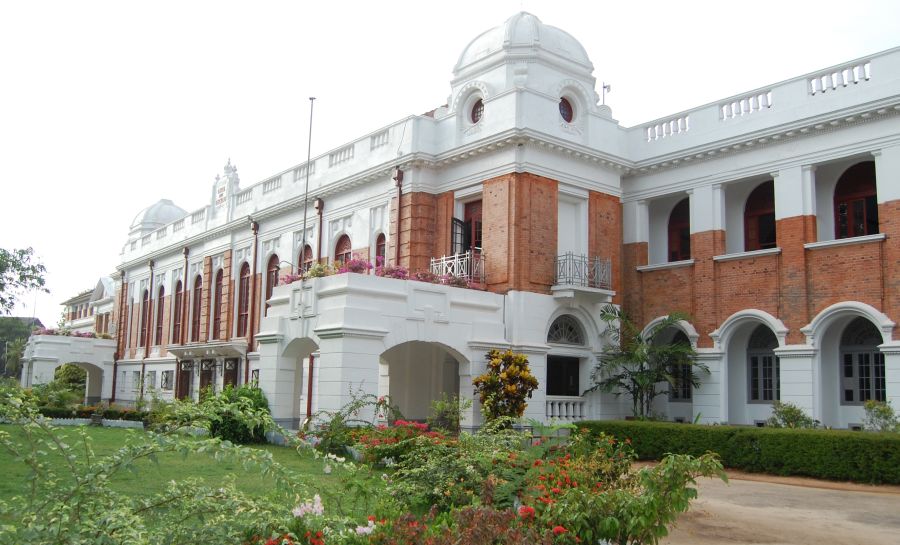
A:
x: 446, y: 413
x: 356, y: 265
x: 394, y: 442
x: 226, y: 423
x: 57, y: 412
x: 318, y: 270
x: 454, y: 281
x: 426, y: 276
x: 823, y: 454
x: 502, y: 390
x: 880, y: 416
x: 788, y: 415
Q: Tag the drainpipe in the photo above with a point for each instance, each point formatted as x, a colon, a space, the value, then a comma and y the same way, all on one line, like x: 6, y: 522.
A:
x: 120, y: 335
x: 182, y: 334
x: 149, y: 324
x: 309, y: 387
x: 320, y: 210
x: 398, y: 178
x: 254, y: 226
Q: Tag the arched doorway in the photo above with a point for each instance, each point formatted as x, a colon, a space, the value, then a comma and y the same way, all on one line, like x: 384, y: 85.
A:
x: 678, y: 403
x: 567, y: 375
x: 93, y: 387
x: 416, y: 373
x: 753, y: 374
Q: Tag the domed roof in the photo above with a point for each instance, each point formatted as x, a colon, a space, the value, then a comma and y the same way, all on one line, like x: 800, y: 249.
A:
x: 524, y: 31
x: 158, y: 214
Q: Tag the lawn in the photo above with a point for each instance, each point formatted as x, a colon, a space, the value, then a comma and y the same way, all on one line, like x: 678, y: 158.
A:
x: 151, y: 478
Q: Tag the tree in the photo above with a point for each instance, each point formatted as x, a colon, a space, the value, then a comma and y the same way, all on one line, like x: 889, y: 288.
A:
x: 633, y: 363
x: 17, y: 275
x: 71, y: 376
x: 12, y: 328
x: 14, y: 351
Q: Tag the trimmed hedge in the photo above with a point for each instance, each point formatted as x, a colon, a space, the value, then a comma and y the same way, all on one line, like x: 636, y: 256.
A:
x: 839, y: 455
x: 86, y: 412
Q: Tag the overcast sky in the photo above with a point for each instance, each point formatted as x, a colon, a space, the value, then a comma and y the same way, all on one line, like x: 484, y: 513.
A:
x: 106, y: 107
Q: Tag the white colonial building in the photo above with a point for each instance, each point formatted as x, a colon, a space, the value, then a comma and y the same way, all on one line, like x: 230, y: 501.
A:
x: 771, y: 218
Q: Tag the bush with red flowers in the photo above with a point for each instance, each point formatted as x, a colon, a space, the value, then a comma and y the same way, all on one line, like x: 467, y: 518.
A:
x: 384, y: 442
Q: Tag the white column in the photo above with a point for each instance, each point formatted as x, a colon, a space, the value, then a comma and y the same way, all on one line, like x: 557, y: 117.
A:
x: 709, y: 405
x: 891, y: 353
x: 349, y: 365
x: 796, y: 375
x: 887, y: 173
x: 277, y: 380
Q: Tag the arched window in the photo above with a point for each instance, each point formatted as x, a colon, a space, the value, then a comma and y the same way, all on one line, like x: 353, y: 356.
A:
x: 855, y: 203
x: 380, y: 245
x: 160, y: 314
x: 306, y: 258
x: 680, y: 231
x: 243, y: 300
x: 565, y: 330
x: 342, y: 251
x: 563, y: 371
x: 861, y: 365
x: 217, y: 304
x: 759, y: 218
x: 271, y: 277
x: 145, y: 317
x: 195, y: 311
x: 682, y: 375
x: 763, y: 367
x: 176, y: 319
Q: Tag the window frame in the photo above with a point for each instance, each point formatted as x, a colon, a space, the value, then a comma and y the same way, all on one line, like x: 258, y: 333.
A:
x: 760, y: 204
x: 218, y: 289
x: 343, y: 250
x: 678, y: 246
x: 160, y: 314
x: 177, y: 318
x: 196, y: 308
x: 857, y: 185
x: 562, y: 368
x: 145, y: 318
x: 243, y: 300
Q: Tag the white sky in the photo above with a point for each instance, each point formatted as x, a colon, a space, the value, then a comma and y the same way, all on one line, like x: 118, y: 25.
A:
x: 106, y: 107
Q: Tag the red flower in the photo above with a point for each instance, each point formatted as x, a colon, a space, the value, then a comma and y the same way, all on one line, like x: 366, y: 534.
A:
x: 538, y: 462
x: 526, y: 512
x: 559, y: 530
x: 555, y: 490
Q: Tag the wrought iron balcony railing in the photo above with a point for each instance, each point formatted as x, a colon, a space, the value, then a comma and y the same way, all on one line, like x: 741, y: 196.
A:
x: 468, y: 265
x: 580, y: 270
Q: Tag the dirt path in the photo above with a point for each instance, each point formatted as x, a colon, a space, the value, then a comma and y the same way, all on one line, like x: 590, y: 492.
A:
x: 769, y: 511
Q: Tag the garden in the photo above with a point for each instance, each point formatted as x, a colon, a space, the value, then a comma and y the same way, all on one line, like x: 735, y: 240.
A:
x: 188, y: 478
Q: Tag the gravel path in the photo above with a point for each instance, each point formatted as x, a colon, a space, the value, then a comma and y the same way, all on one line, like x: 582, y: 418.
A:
x: 789, y: 511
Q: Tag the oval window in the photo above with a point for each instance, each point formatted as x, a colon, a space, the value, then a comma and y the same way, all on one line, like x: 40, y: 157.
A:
x: 477, y: 111
x: 565, y: 110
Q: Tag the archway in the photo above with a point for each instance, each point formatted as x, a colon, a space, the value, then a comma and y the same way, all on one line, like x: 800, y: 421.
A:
x: 852, y: 371
x: 93, y: 387
x: 752, y: 372
x: 298, y: 377
x: 677, y: 404
x: 415, y: 373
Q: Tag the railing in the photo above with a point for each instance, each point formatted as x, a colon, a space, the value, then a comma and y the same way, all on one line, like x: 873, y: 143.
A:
x: 300, y: 172
x: 380, y: 139
x: 841, y: 77
x: 272, y: 184
x: 468, y: 265
x: 198, y: 216
x: 746, y: 105
x: 579, y: 270
x: 341, y: 155
x: 244, y: 196
x: 670, y: 127
x: 565, y: 408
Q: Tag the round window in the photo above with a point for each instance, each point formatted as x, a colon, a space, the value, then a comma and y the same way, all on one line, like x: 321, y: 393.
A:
x: 477, y: 111
x: 565, y: 110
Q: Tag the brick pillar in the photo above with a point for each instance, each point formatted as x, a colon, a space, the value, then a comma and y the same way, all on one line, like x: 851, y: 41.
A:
x: 794, y: 227
x: 704, y: 302
x: 416, y: 233
x: 226, y: 304
x: 444, y: 204
x: 520, y: 232
x: 633, y: 255
x: 605, y: 235
x: 206, y: 298
x: 889, y: 224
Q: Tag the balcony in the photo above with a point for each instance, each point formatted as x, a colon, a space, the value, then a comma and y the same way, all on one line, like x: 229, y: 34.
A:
x: 578, y: 274
x: 468, y: 265
x: 565, y: 408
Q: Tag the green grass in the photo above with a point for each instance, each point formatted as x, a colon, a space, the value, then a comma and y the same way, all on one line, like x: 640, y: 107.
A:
x: 153, y: 477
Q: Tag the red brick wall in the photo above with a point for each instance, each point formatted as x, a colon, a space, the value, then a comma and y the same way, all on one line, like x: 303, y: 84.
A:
x: 416, y: 230
x: 793, y: 286
x: 519, y: 232
x: 605, y: 234
x: 443, y: 216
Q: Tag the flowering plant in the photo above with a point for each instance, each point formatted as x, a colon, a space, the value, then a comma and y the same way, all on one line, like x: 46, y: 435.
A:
x: 393, y: 271
x: 391, y: 442
x: 318, y: 270
x: 355, y: 265
x: 291, y: 278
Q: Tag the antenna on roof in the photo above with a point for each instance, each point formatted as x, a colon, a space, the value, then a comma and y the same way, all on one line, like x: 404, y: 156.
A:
x: 306, y: 193
x: 606, y: 89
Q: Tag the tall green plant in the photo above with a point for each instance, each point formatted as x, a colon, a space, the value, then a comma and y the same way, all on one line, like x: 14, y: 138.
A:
x: 635, y: 363
x: 504, y: 387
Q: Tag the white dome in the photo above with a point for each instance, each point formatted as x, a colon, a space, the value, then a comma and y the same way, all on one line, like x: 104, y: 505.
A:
x: 156, y: 215
x: 524, y: 31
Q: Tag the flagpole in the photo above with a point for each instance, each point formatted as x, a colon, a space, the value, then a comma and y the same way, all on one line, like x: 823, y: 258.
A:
x: 306, y: 193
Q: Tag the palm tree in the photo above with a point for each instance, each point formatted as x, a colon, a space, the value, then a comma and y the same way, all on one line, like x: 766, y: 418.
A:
x: 632, y: 363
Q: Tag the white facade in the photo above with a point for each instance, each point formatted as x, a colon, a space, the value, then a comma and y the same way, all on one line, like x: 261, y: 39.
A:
x: 414, y: 340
